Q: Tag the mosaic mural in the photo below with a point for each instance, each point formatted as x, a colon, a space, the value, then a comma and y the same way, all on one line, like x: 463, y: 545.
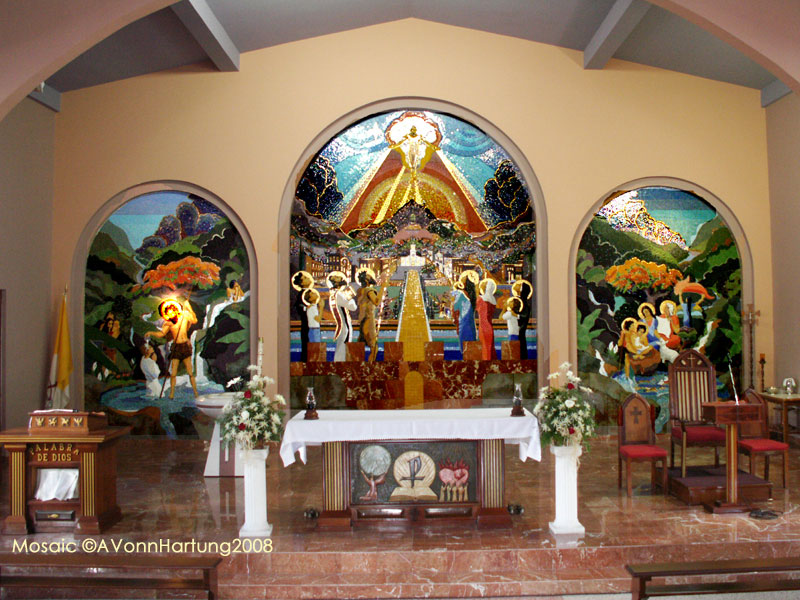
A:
x: 658, y: 271
x: 412, y: 227
x: 167, y: 311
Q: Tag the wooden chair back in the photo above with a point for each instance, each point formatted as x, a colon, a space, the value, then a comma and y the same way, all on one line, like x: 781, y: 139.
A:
x: 692, y: 382
x: 754, y: 429
x: 636, y: 425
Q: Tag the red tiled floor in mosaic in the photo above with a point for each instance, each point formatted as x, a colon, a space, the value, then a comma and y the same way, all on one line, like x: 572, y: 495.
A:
x: 163, y: 495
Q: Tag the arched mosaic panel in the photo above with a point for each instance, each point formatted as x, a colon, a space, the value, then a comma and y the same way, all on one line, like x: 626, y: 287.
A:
x: 167, y: 286
x: 658, y: 271
x: 413, y: 233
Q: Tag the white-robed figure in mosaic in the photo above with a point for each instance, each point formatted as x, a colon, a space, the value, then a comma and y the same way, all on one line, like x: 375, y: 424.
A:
x: 342, y: 301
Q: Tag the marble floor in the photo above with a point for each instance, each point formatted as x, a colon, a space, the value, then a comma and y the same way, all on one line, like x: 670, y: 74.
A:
x: 163, y: 495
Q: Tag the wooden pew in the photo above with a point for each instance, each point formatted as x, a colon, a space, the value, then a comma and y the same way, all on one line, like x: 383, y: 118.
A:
x: 642, y: 587
x: 135, y: 572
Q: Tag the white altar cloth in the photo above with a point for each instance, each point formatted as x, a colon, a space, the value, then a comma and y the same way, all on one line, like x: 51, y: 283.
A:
x: 434, y: 424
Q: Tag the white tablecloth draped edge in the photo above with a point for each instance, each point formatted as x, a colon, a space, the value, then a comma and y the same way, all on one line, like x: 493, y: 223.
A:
x: 437, y: 424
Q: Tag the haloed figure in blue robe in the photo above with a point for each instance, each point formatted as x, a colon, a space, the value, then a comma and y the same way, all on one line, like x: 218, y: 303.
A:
x: 464, y: 304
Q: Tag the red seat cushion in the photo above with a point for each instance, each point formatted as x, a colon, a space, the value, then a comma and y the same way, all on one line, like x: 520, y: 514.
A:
x: 642, y: 451
x: 763, y: 445
x: 700, y: 434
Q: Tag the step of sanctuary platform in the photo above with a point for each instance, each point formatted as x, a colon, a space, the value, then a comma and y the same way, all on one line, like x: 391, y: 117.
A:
x: 164, y: 496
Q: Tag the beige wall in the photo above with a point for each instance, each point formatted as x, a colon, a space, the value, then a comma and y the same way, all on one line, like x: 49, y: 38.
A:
x: 783, y: 134
x: 243, y: 136
x: 26, y: 192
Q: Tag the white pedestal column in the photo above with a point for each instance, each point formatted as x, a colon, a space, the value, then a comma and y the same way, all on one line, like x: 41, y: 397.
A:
x: 566, y: 520
x: 255, y: 494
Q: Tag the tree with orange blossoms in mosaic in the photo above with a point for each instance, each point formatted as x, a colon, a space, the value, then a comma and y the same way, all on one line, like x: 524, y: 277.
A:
x: 635, y: 274
x: 182, y: 275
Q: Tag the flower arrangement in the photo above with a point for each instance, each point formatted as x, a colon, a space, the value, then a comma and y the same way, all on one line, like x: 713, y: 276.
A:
x: 253, y: 418
x: 566, y: 417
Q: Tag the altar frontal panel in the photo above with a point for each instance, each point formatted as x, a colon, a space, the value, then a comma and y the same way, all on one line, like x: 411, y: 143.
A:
x: 413, y: 472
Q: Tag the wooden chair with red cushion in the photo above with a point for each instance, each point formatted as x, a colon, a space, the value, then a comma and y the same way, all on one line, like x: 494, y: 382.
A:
x: 754, y: 438
x: 692, y: 382
x: 637, y: 441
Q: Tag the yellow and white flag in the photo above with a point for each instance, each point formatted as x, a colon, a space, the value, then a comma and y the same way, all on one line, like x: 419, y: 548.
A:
x: 61, y: 367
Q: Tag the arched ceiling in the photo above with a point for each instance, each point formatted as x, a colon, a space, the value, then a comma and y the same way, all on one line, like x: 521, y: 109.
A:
x: 752, y: 44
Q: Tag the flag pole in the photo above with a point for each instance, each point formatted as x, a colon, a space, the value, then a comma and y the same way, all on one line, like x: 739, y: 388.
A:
x: 61, y: 365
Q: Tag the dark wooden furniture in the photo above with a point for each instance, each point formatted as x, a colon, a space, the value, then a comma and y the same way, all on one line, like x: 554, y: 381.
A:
x: 731, y: 414
x: 784, y: 401
x: 92, y: 452
x: 692, y: 382
x: 642, y: 587
x: 97, y: 571
x: 754, y: 439
x: 637, y: 442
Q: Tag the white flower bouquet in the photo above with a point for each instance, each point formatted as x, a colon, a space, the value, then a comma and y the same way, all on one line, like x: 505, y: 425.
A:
x: 253, y: 418
x: 566, y: 417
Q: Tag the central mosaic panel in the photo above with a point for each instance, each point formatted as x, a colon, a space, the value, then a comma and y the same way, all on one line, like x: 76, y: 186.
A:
x: 412, y: 241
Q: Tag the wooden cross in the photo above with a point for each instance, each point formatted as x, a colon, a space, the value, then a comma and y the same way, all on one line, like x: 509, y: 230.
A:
x: 636, y: 412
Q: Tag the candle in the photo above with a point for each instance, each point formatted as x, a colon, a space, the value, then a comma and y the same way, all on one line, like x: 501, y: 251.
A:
x: 260, y: 355
x: 761, y: 357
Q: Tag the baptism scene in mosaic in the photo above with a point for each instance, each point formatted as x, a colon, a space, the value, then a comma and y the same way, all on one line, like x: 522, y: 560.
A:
x: 658, y: 272
x: 412, y: 252
x: 167, y: 312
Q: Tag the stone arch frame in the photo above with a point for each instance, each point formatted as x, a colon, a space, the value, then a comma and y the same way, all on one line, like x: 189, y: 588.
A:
x: 411, y: 103
x: 77, y: 280
x: 742, y: 245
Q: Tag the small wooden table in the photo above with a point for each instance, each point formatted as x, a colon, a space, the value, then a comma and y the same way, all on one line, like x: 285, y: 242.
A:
x: 93, y: 453
x: 784, y: 401
x: 730, y: 414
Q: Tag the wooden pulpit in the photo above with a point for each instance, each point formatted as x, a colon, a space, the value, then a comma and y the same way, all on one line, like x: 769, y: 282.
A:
x: 730, y: 414
x: 62, y: 440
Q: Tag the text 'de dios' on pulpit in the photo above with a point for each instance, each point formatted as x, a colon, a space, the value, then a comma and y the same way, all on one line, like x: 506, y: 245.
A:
x: 62, y: 471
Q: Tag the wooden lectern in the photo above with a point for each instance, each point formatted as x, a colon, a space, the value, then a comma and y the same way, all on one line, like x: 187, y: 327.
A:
x: 730, y: 414
x: 63, y: 439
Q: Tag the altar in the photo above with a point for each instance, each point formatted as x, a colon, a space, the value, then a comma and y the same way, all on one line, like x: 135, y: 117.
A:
x: 415, y: 466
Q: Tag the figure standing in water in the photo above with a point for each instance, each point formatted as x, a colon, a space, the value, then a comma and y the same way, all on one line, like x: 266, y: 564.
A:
x: 179, y: 318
